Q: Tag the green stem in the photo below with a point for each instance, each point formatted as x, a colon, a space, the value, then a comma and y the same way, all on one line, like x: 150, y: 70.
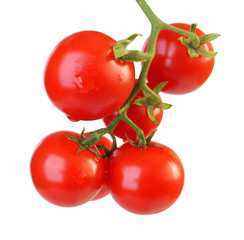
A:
x: 140, y: 133
x: 154, y: 20
x: 114, y: 144
x: 155, y: 97
x: 148, y: 12
x: 156, y: 26
x: 141, y: 83
x: 195, y: 40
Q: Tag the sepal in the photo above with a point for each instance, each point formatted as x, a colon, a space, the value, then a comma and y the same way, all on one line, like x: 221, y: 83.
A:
x: 151, y: 115
x: 199, y: 50
x: 122, y: 54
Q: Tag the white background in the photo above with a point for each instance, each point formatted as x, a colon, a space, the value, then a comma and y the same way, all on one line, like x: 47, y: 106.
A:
x: 205, y: 128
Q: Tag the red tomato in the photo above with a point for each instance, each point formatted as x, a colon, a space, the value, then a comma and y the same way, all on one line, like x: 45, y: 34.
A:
x: 145, y: 181
x: 62, y: 176
x: 172, y: 63
x: 139, y: 116
x: 104, y: 190
x: 83, y: 79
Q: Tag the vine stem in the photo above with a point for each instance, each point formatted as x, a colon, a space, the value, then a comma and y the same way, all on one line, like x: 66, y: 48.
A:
x: 158, y: 23
x: 156, y: 26
x: 141, y: 83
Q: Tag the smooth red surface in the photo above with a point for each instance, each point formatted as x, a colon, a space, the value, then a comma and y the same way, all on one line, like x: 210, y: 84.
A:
x: 104, y: 190
x: 139, y: 116
x: 172, y: 63
x: 145, y: 181
x: 62, y: 176
x: 83, y: 79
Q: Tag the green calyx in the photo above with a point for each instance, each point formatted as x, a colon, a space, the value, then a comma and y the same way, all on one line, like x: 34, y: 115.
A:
x: 151, y: 102
x: 195, y: 48
x: 139, y: 142
x: 145, y: 144
x: 84, y: 144
x: 122, y: 54
x: 91, y: 141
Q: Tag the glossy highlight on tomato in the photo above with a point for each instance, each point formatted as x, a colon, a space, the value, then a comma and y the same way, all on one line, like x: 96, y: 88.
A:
x: 172, y: 63
x: 61, y: 175
x: 83, y: 79
x: 139, y: 115
x: 145, y: 181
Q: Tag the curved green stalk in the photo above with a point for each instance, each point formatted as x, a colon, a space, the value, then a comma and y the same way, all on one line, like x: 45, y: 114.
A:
x: 156, y: 26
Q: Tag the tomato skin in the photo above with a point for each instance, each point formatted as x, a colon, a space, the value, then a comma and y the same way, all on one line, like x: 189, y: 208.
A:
x: 83, y: 79
x: 62, y: 176
x: 139, y: 115
x: 104, y: 190
x: 172, y: 63
x: 145, y: 181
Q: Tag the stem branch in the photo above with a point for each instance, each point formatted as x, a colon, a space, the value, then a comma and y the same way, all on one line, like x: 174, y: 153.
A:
x: 156, y: 26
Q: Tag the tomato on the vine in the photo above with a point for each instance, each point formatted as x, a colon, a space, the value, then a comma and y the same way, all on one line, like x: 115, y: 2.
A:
x: 172, y: 63
x: 61, y: 175
x: 104, y: 190
x: 139, y: 115
x: 84, y: 80
x: 145, y: 181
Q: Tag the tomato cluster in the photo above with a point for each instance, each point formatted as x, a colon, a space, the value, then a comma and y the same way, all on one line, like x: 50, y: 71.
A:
x: 85, y: 81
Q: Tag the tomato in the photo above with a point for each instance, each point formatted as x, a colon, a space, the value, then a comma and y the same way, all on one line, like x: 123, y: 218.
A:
x: 62, y: 176
x: 145, y: 181
x: 104, y: 190
x: 83, y: 79
x: 139, y: 116
x: 172, y: 63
